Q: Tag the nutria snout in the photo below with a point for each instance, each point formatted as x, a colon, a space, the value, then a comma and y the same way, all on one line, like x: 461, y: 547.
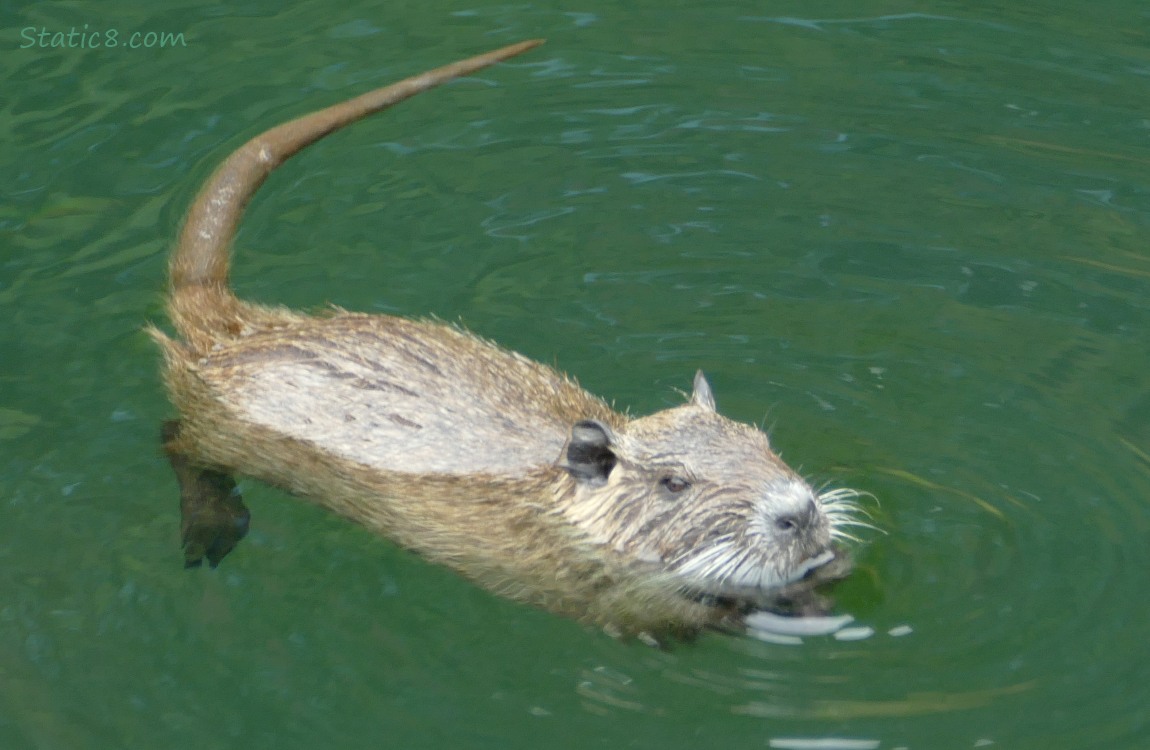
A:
x: 473, y: 456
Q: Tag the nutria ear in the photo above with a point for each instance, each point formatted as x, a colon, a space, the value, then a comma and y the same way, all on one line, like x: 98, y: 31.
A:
x: 702, y: 395
x: 589, y: 455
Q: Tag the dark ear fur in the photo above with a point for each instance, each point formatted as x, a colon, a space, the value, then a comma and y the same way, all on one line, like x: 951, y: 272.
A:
x: 589, y: 455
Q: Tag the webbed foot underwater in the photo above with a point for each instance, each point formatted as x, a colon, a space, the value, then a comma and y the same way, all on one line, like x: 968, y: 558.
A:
x: 470, y: 455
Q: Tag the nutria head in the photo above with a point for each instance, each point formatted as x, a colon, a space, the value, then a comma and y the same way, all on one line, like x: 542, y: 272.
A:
x: 700, y: 496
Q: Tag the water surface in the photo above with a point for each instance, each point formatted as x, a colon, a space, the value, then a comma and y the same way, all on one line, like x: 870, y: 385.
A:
x: 911, y: 241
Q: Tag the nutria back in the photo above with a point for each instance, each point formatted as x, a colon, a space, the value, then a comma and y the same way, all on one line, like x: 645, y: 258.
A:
x: 475, y: 457
x: 402, y: 395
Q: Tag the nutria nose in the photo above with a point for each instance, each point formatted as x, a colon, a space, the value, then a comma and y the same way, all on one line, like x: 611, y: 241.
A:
x: 791, y: 523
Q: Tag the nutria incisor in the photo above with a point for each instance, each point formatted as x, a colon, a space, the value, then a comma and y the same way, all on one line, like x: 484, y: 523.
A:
x: 471, y: 455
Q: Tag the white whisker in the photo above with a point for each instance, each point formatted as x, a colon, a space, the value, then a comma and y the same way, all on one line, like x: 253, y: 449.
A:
x: 721, y: 564
x: 842, y: 509
x: 701, y: 563
x: 737, y: 574
x: 713, y: 547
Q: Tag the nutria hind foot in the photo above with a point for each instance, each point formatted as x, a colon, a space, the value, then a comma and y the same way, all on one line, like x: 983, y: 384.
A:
x: 213, y: 517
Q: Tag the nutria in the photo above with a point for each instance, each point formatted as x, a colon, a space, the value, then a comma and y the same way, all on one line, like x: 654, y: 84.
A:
x: 471, y: 455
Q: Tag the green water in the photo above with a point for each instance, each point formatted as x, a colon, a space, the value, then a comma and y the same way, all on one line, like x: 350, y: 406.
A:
x: 910, y: 238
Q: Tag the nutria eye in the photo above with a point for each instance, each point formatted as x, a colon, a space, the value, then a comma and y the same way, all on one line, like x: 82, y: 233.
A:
x: 674, y: 483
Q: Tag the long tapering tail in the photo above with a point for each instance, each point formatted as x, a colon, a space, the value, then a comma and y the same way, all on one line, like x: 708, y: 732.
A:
x: 200, y: 297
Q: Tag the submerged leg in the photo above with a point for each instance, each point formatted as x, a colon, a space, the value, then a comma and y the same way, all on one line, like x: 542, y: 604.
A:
x: 213, y: 517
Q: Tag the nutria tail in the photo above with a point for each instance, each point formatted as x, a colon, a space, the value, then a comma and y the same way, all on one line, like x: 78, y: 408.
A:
x: 200, y: 301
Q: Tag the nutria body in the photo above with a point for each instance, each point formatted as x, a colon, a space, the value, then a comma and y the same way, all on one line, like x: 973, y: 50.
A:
x: 473, y: 456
